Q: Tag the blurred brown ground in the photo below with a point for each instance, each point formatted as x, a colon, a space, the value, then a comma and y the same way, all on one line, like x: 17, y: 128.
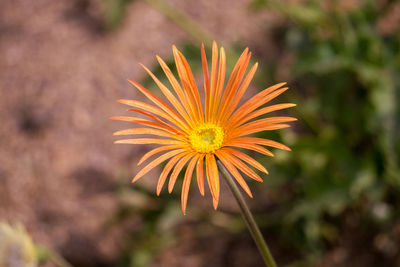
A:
x: 60, y: 76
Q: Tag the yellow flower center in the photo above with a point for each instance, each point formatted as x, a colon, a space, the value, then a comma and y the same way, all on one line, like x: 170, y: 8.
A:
x: 207, y: 138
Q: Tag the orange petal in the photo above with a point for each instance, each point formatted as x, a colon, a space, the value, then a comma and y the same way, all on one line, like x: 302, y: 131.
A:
x: 256, y: 101
x: 264, y: 122
x: 186, y: 183
x: 156, y: 162
x: 240, y: 92
x: 177, y: 170
x: 186, y: 84
x: 157, y: 150
x: 234, y: 75
x: 192, y: 83
x: 262, y: 141
x: 258, y: 97
x: 177, y: 87
x: 156, y: 100
x: 215, y: 203
x: 145, y: 131
x: 245, y: 84
x: 219, y: 85
x: 206, y: 80
x: 249, y: 130
x: 168, y: 127
x: 271, y: 120
x: 146, y: 122
x: 212, y: 178
x: 243, y: 167
x: 148, y: 141
x: 246, y: 158
x: 260, y: 112
x: 253, y: 147
x: 177, y: 120
x: 232, y: 169
x: 164, y: 174
x: 234, y: 81
x: 169, y: 95
x: 200, y: 180
x: 214, y: 76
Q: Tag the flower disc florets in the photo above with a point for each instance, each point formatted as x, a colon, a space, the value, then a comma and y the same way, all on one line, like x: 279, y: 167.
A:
x: 207, y: 138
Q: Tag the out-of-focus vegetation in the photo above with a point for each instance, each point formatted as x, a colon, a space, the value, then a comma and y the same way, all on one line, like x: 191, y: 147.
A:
x: 344, y: 169
x: 114, y: 12
x: 342, y: 180
x: 16, y: 246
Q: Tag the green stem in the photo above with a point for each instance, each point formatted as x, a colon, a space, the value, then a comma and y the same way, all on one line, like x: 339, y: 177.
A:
x: 249, y: 219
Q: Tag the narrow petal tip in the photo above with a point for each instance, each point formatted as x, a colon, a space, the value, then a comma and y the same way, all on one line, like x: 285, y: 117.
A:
x: 215, y: 203
x: 170, y: 188
x: 134, y: 179
x: 282, y: 84
x: 132, y: 81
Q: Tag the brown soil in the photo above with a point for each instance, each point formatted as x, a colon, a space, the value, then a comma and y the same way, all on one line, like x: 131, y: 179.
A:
x: 60, y: 75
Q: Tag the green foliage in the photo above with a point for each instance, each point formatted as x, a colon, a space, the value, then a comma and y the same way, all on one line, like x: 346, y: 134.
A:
x: 159, y: 218
x: 346, y: 146
x: 43, y: 254
x: 114, y: 12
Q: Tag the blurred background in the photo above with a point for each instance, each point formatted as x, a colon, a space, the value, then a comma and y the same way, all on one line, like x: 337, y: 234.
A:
x: 333, y: 201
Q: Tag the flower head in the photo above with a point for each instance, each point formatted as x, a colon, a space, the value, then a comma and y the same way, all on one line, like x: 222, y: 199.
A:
x: 197, y: 135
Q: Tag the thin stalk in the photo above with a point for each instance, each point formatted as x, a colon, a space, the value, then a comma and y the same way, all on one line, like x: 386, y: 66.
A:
x: 248, y: 217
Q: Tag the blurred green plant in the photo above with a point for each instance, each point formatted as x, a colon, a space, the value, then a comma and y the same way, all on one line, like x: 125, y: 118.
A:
x: 345, y: 155
x: 114, y: 12
x: 159, y: 221
x: 17, y: 249
x: 154, y: 233
x: 16, y: 246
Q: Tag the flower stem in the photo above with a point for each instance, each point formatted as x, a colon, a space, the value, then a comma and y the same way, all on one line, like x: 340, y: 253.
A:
x: 249, y: 219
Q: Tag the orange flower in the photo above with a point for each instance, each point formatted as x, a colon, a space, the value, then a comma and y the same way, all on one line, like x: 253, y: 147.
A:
x: 198, y: 135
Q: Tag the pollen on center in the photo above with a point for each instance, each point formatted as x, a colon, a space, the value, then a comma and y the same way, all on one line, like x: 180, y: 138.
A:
x: 207, y: 138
